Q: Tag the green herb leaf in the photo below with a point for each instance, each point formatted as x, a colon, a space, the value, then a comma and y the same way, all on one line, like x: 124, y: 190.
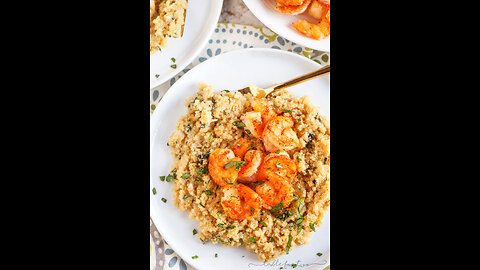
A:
x: 219, y: 213
x: 186, y: 196
x: 298, y: 158
x: 162, y: 178
x: 277, y: 207
x: 198, y: 178
x: 319, y: 254
x: 157, y: 75
x: 216, y: 255
x: 299, y: 229
x: 237, y: 164
x: 230, y: 227
x: 286, y: 111
x: 248, y: 131
x: 252, y: 240
x: 173, y: 66
x: 263, y: 223
x: 208, y: 192
x: 173, y: 60
x: 312, y: 226
x: 289, y: 243
x: 174, y: 170
x: 169, y: 178
x: 300, y: 205
x: 277, y: 164
x: 201, y: 170
x: 239, y: 124
x: 164, y: 200
x: 259, y: 183
x: 195, y: 257
x: 202, y: 205
x: 220, y: 225
x: 241, y: 241
x: 154, y: 191
x: 211, y: 137
x: 195, y: 231
x: 251, y: 211
x: 294, y: 265
x: 291, y: 224
x: 325, y: 160
x: 186, y: 176
x: 271, y: 239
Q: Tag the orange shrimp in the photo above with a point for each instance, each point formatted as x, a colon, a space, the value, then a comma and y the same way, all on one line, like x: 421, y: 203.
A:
x: 241, y: 146
x: 274, y: 191
x: 293, y: 9
x: 267, y: 112
x: 277, y: 171
x: 277, y: 165
x: 318, y: 10
x: 253, y: 160
x: 279, y: 135
x: 290, y: 2
x: 217, y: 162
x: 253, y: 122
x: 241, y: 202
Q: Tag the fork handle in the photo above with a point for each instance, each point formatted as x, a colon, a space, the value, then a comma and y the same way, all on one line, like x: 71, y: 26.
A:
x: 323, y: 71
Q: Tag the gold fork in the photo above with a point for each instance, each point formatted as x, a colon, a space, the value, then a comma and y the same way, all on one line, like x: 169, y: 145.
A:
x: 272, y: 89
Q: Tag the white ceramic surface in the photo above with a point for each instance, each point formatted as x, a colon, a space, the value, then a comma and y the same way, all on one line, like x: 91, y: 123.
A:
x: 231, y: 70
x: 282, y: 24
x: 200, y: 21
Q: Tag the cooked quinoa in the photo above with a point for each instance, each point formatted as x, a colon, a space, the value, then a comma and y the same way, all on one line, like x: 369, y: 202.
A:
x: 208, y: 126
x: 167, y: 17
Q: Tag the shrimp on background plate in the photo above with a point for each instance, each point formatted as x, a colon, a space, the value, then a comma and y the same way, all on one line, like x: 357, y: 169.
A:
x: 241, y: 202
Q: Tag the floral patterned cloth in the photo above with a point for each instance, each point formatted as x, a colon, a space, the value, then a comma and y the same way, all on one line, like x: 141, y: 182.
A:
x: 226, y: 37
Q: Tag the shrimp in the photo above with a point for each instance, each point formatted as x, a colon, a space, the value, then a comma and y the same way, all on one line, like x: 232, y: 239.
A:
x: 293, y: 9
x: 277, y: 165
x: 290, y: 2
x: 253, y: 122
x: 318, y: 10
x: 241, y: 146
x: 275, y: 191
x: 218, y: 170
x: 253, y: 160
x: 279, y: 135
x: 241, y: 202
x: 267, y: 112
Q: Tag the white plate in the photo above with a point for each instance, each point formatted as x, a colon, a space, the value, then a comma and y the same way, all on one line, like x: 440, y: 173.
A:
x: 232, y: 70
x: 200, y: 21
x: 282, y: 24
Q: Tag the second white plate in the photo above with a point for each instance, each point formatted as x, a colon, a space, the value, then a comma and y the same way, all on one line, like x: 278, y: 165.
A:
x: 232, y: 70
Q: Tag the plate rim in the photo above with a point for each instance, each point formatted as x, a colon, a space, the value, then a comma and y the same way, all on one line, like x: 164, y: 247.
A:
x: 154, y: 124
x: 281, y: 32
x: 211, y: 25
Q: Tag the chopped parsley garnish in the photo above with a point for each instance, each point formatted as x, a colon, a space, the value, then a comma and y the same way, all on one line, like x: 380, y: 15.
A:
x: 239, y: 124
x: 154, y: 191
x: 252, y: 240
x: 294, y: 265
x: 299, y: 229
x: 263, y: 223
x: 164, y: 200
x: 157, y: 75
x: 220, y: 225
x: 319, y: 254
x: 174, y: 170
x: 298, y: 120
x: 228, y: 182
x: 202, y: 205
x: 219, y: 213
x: 162, y: 178
x: 325, y: 160
x: 202, y: 125
x: 198, y: 178
x: 173, y: 66
x: 291, y: 224
x: 289, y: 243
x: 186, y: 196
x: 248, y: 131
x: 250, y: 147
x: 230, y: 227
x: 251, y: 211
x: 211, y: 137
x: 201, y: 170
x: 299, y: 158
x: 277, y: 207
x: 312, y: 226
x: 208, y: 192
x: 300, y: 204
x: 221, y: 241
x: 277, y: 164
x: 239, y: 144
x: 195, y: 231
x: 259, y: 183
x: 169, y: 178
x: 186, y: 176
x: 286, y: 111
x: 241, y: 241
x: 173, y: 60
x: 237, y: 164
x: 225, y: 91
x: 295, y: 197
x: 271, y: 239
x: 195, y: 257
x: 216, y: 255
